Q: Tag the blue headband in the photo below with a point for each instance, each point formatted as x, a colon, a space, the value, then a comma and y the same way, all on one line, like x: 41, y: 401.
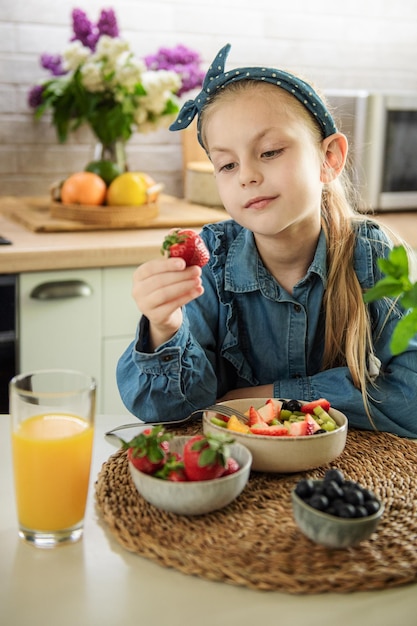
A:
x: 216, y: 78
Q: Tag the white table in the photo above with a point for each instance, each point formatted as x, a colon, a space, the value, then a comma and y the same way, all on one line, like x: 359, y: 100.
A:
x: 95, y: 582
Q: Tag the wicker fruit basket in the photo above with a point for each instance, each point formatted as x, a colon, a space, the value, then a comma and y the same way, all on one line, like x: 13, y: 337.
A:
x: 116, y: 216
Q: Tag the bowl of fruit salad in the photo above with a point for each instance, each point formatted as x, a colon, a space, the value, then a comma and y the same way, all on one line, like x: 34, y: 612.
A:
x: 335, y: 512
x: 284, y: 436
x: 188, y: 475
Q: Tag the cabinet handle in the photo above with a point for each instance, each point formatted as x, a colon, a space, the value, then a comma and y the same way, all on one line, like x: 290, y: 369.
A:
x: 61, y: 289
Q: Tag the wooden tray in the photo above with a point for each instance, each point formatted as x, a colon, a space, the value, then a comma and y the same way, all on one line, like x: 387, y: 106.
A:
x: 33, y: 212
x: 110, y: 216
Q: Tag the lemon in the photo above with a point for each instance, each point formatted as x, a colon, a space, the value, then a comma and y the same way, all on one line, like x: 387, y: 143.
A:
x: 107, y: 170
x: 127, y: 189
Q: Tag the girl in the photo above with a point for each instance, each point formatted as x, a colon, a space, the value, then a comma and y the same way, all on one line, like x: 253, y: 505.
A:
x: 278, y: 311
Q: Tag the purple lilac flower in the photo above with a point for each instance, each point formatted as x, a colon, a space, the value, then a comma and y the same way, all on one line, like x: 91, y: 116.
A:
x: 182, y: 60
x: 84, y: 30
x: 165, y: 58
x: 35, y: 96
x: 191, y: 77
x: 107, y: 23
x: 53, y: 63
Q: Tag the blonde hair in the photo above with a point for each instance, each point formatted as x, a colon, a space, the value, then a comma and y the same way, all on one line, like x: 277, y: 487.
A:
x: 348, y: 333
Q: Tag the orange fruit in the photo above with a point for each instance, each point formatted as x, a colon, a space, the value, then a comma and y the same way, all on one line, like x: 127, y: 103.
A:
x: 83, y: 188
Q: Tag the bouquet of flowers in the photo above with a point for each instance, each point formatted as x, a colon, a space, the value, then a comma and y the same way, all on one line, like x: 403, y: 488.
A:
x: 98, y: 81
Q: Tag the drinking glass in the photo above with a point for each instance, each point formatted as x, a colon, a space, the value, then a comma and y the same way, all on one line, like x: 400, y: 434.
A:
x: 52, y: 414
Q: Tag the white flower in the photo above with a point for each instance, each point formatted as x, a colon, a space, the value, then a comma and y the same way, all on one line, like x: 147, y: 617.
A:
x: 129, y: 73
x: 159, y: 88
x: 75, y: 55
x: 91, y: 77
x: 110, y: 48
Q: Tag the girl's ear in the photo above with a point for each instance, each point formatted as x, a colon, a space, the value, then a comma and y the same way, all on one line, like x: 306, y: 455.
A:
x: 335, y: 149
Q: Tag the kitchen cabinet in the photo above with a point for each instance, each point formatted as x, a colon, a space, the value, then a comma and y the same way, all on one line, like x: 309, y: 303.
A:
x: 78, y: 319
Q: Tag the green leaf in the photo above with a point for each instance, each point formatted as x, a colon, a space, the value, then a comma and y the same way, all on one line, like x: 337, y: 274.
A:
x: 396, y: 265
x: 404, y: 331
x: 208, y: 456
x: 409, y: 299
x: 385, y: 288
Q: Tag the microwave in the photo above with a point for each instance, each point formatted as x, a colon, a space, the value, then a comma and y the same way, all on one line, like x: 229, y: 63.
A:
x: 382, y: 132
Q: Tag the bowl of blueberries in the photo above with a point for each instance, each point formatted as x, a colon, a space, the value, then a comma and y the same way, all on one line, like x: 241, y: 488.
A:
x: 334, y: 511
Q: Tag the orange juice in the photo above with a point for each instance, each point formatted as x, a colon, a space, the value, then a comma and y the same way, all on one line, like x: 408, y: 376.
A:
x: 52, y: 457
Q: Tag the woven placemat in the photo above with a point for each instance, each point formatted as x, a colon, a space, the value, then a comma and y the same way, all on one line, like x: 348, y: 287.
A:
x: 254, y: 542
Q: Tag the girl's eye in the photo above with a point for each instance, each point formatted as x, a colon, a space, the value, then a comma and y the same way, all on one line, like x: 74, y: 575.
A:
x: 227, y: 168
x: 269, y: 154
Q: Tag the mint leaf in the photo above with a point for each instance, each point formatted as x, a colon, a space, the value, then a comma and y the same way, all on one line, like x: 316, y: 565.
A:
x: 397, y: 284
x: 396, y: 265
x: 404, y: 331
x: 385, y: 288
x: 409, y: 299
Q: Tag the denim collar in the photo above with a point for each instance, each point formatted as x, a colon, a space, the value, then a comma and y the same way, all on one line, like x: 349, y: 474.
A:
x: 245, y: 272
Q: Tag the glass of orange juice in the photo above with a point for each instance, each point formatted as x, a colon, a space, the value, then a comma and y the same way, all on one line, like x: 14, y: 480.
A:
x: 52, y: 414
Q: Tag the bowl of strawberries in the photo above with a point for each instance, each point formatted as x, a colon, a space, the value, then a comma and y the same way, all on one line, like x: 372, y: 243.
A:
x: 188, y: 475
x: 283, y: 436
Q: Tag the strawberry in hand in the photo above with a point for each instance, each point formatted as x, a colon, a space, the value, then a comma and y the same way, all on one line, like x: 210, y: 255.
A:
x: 206, y: 457
x: 187, y: 245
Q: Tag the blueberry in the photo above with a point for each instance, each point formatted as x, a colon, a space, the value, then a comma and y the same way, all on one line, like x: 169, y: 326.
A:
x: 305, y: 488
x: 335, y: 475
x: 354, y: 496
x: 332, y: 490
x: 292, y: 405
x: 320, y: 431
x: 368, y: 495
x: 372, y: 506
x: 361, y: 511
x: 336, y: 496
x: 319, y: 501
x: 346, y: 510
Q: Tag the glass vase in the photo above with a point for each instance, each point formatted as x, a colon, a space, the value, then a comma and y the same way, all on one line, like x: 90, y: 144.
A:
x: 114, y: 152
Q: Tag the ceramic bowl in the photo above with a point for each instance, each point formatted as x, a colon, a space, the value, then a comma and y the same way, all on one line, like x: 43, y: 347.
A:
x: 331, y: 531
x: 286, y: 454
x: 194, y: 497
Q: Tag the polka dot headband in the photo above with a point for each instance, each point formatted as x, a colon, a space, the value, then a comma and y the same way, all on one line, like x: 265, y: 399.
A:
x: 216, y: 78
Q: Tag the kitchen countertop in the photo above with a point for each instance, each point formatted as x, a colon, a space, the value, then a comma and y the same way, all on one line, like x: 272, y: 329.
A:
x: 96, y: 581
x: 37, y: 251
x: 32, y: 251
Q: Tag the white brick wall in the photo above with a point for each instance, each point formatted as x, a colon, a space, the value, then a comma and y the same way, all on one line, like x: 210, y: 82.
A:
x: 363, y: 44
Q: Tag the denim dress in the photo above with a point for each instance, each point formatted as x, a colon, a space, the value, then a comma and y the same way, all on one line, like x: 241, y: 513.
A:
x: 246, y: 330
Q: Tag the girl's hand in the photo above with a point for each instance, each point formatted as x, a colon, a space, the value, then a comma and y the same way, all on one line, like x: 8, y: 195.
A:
x: 160, y: 289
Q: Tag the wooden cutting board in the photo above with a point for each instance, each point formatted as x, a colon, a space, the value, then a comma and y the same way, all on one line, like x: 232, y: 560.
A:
x: 34, y: 213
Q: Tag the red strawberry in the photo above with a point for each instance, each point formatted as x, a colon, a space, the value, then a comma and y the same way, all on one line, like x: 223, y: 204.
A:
x: 268, y: 412
x: 307, y: 427
x: 186, y: 244
x: 232, y: 466
x: 205, y: 457
x: 172, y: 469
x: 177, y: 476
x: 270, y: 431
x: 310, y: 406
x: 147, y: 451
x: 254, y: 417
x: 277, y: 404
